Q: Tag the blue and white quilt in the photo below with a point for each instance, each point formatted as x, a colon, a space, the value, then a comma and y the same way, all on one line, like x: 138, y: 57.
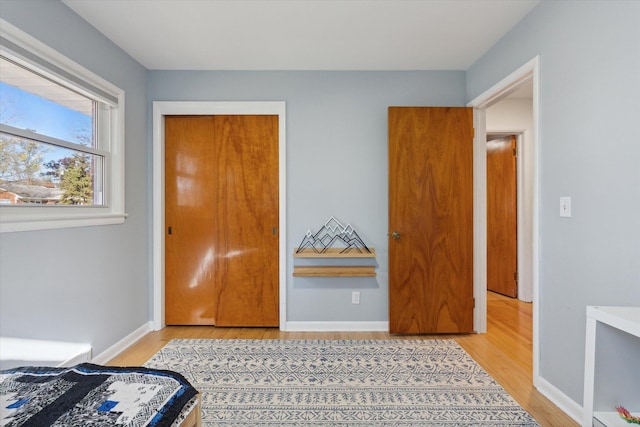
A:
x: 93, y: 395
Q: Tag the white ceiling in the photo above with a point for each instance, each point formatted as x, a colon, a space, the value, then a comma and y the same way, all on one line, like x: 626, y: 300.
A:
x: 304, y: 34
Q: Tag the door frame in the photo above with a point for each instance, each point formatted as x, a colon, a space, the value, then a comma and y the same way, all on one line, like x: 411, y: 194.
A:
x: 530, y: 70
x: 185, y: 108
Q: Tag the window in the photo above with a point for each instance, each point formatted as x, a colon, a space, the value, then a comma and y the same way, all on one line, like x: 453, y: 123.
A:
x: 61, y: 140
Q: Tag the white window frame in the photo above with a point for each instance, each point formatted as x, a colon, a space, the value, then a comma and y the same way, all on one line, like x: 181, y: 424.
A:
x: 22, y: 48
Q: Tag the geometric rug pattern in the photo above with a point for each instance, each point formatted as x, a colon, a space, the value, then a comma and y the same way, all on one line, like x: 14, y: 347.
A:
x: 387, y: 383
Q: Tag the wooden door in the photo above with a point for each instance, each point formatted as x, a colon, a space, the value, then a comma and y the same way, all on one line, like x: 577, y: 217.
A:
x: 235, y: 267
x: 502, y: 240
x: 189, y: 238
x: 430, y: 220
x: 246, y: 226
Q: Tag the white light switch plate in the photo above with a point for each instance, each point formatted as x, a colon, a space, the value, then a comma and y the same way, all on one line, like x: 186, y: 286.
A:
x: 565, y: 207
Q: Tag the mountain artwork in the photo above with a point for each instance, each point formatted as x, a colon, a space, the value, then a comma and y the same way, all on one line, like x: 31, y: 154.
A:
x: 331, y: 234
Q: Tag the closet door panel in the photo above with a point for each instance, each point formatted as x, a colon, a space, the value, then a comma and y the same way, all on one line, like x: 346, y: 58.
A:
x: 189, y: 221
x: 246, y: 220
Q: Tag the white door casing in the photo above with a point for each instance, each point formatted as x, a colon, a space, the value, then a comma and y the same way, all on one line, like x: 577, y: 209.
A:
x: 164, y: 108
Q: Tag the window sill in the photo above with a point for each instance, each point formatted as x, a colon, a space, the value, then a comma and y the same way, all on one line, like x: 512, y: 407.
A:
x: 51, y: 223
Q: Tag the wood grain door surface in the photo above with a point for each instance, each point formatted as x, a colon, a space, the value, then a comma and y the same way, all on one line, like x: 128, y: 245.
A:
x: 502, y: 240
x: 221, y: 203
x: 430, y: 220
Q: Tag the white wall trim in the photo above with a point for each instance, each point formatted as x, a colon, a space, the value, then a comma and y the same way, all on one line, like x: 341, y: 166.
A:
x: 163, y: 108
x: 530, y: 70
x: 480, y: 221
x: 122, y: 345
x: 525, y: 218
x: 337, y: 326
x: 558, y: 398
x: 507, y: 85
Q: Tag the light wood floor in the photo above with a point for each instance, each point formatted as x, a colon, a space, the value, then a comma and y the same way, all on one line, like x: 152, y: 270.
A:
x: 505, y: 351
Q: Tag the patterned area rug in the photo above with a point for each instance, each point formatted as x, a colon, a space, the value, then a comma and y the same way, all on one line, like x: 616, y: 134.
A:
x: 269, y: 383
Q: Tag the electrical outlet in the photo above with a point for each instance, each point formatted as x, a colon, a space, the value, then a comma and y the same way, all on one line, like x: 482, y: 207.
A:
x: 355, y: 297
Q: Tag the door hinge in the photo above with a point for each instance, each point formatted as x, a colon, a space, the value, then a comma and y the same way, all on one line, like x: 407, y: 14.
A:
x: 274, y: 230
x: 474, y: 303
x: 515, y: 153
x: 515, y: 276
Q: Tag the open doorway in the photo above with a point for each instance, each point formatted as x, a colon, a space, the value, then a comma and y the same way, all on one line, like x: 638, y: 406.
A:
x: 512, y: 118
x: 510, y: 84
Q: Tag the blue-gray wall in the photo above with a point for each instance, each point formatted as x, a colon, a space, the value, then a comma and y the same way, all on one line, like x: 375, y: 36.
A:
x: 93, y: 284
x: 336, y: 161
x: 589, y: 150
x: 88, y: 284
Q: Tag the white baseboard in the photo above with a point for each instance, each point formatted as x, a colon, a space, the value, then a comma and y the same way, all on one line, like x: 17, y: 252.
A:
x: 558, y: 398
x: 122, y: 345
x: 336, y: 326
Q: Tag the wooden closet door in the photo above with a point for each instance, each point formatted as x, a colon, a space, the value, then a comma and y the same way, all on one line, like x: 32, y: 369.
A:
x: 222, y: 261
x: 245, y: 191
x: 430, y: 220
x: 189, y: 217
